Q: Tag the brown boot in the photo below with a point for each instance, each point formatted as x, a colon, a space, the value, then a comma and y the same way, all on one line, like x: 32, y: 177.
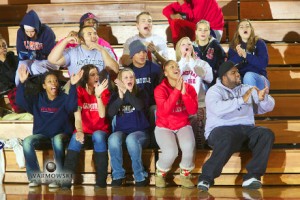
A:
x: 185, y: 179
x: 160, y: 178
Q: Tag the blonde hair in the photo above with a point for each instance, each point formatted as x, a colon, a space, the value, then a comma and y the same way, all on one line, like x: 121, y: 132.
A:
x: 177, y: 49
x: 208, y: 26
x: 237, y: 38
x: 127, y: 69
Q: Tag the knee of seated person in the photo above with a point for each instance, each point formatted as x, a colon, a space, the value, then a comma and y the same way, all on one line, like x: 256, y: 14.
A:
x: 131, y: 140
x: 249, y: 78
x: 99, y: 136
x: 114, y: 141
x: 27, y: 141
x: 267, y: 134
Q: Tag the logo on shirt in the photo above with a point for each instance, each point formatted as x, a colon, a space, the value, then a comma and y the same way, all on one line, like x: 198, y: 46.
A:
x: 90, y: 106
x: 210, y: 53
x: 179, y: 106
x: 33, y: 45
x: 143, y: 80
x: 49, y: 110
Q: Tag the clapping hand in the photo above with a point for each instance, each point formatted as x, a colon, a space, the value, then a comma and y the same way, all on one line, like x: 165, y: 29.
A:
x: 76, y: 77
x: 262, y: 93
x: 121, y: 88
x: 99, y: 88
x: 241, y: 51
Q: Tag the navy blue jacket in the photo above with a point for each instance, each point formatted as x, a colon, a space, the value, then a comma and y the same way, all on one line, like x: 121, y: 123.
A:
x: 213, y: 54
x: 147, y: 78
x: 129, y: 112
x: 256, y: 61
x: 49, y: 117
x: 39, y: 47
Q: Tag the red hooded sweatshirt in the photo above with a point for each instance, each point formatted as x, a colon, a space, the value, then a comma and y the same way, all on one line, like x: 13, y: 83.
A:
x: 173, y: 108
x: 198, y: 10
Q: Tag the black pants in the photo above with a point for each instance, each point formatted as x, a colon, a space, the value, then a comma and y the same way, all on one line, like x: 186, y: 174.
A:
x: 226, y: 140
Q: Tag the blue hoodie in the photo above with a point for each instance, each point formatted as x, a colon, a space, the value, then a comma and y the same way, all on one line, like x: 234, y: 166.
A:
x: 256, y: 61
x: 50, y: 117
x: 38, y: 47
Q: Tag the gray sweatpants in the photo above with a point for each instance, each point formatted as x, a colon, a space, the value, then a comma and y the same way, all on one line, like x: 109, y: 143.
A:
x: 167, y: 142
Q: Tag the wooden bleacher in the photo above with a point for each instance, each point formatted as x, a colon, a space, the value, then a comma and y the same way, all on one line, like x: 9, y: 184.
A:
x: 276, y: 21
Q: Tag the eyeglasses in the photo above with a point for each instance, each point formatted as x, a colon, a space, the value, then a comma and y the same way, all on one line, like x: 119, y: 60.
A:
x: 3, y: 46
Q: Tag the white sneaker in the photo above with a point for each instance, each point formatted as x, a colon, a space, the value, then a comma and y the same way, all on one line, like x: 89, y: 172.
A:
x: 33, y: 184
x: 54, y: 185
x: 203, y: 185
x: 252, y: 183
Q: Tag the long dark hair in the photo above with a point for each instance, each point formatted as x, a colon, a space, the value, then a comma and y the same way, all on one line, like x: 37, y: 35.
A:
x: 86, y: 74
x: 237, y: 38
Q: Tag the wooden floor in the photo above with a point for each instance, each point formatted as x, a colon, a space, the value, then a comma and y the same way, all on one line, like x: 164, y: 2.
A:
x: 21, y: 191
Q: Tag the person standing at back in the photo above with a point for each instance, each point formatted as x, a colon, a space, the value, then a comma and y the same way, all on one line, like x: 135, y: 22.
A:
x: 183, y: 16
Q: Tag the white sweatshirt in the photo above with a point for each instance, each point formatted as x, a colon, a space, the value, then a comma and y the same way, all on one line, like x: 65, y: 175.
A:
x: 189, y: 76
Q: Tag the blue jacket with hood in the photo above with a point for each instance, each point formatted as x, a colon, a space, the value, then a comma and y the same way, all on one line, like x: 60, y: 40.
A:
x: 38, y: 47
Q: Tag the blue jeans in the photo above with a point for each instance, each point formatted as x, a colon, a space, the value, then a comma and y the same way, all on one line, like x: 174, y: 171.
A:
x: 31, y: 142
x: 98, y: 138
x: 135, y: 142
x: 254, y: 79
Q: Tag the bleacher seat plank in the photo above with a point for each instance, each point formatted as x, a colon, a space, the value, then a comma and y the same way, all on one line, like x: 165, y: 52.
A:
x: 270, y: 9
x: 286, y: 105
x: 284, y: 78
x: 286, y: 131
x: 272, y: 31
x: 281, y: 163
x: 105, y: 11
x: 11, y: 163
x: 114, y: 33
x: 23, y: 2
x: 15, y: 128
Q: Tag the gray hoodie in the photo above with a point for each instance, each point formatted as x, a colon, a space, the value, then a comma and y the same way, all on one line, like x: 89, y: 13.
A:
x: 226, y: 107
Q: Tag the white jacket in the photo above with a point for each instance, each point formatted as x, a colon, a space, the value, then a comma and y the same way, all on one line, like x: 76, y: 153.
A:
x: 189, y: 76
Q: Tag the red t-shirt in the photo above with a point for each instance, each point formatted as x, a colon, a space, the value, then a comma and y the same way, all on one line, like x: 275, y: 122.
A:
x: 91, y: 120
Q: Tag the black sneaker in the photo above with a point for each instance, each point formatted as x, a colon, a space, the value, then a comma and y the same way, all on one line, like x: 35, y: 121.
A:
x: 142, y: 183
x: 117, y: 182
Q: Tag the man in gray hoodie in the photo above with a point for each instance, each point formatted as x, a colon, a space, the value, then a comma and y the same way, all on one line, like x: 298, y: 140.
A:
x: 230, y: 126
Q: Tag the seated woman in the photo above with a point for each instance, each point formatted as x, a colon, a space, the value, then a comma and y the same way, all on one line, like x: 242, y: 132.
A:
x: 250, y: 53
x: 51, y: 109
x: 131, y: 128
x: 197, y: 73
x: 91, y: 125
x: 175, y: 100
x: 207, y: 48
